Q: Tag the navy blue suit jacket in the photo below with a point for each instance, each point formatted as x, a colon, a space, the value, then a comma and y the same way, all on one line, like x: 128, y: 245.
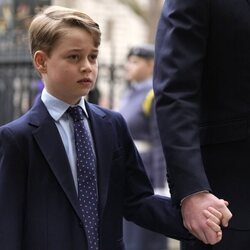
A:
x: 202, y: 87
x: 38, y: 201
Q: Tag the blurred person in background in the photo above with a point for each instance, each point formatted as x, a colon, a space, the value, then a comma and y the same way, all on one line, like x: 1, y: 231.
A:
x: 136, y: 106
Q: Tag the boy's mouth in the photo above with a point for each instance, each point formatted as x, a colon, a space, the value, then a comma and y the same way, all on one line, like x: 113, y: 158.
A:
x: 85, y: 80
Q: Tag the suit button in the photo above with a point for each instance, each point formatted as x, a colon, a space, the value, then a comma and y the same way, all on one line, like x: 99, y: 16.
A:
x: 81, y: 224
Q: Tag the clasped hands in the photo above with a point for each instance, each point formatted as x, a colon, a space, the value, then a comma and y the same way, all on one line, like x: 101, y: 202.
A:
x: 204, y: 215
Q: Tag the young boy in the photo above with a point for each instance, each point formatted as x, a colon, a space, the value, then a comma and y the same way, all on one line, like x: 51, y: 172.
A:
x: 41, y: 185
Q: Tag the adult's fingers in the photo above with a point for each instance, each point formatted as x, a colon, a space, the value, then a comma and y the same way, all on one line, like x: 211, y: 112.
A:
x: 226, y: 216
x: 225, y: 202
x: 208, y: 233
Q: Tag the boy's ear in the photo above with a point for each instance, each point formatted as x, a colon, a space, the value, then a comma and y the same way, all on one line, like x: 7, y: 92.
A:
x: 40, y: 61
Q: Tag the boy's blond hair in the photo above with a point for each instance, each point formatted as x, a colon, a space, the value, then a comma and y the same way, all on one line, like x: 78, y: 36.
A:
x: 48, y: 26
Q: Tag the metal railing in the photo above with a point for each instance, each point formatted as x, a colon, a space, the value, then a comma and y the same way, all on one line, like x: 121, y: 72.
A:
x: 18, y: 88
x: 18, y: 79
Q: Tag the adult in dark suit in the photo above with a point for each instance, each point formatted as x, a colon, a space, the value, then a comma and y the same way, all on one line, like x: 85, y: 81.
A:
x: 202, y: 86
x: 39, y: 203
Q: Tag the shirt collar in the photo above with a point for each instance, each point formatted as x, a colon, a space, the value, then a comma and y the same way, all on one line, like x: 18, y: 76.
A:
x: 57, y: 107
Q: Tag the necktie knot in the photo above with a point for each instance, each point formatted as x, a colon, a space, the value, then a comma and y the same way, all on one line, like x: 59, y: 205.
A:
x: 76, y: 113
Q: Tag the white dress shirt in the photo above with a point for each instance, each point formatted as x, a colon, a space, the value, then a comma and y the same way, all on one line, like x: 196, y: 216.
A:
x: 57, y: 109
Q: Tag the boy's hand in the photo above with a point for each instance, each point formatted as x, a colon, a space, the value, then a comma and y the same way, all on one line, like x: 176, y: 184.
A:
x: 214, y: 218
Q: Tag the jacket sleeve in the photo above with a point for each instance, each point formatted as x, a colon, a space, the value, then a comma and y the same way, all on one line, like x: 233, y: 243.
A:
x: 12, y: 191
x: 181, y: 43
x: 141, y: 206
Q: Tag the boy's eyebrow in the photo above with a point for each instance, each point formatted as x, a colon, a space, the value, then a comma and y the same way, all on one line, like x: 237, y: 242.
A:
x: 77, y: 50
x: 96, y: 50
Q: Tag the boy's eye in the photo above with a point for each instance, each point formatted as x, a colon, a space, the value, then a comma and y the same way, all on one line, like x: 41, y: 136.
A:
x: 74, y: 57
x: 93, y: 57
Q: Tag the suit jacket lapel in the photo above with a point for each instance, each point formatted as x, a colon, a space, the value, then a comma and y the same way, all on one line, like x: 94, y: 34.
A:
x: 54, y: 151
x: 102, y: 136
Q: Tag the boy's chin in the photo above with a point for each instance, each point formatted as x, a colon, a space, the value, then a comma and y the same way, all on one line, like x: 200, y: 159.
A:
x: 85, y: 92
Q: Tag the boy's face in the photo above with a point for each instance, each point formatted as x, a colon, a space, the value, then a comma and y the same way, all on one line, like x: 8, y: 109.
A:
x: 70, y: 71
x: 138, y: 69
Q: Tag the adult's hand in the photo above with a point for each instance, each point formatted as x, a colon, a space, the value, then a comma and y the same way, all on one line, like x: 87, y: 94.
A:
x: 195, y: 220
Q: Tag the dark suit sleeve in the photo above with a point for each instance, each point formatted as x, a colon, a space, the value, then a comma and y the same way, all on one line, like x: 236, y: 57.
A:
x: 141, y: 206
x: 12, y: 192
x: 181, y: 44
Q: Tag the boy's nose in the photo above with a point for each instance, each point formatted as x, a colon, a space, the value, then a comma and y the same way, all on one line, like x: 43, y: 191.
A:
x: 85, y: 66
